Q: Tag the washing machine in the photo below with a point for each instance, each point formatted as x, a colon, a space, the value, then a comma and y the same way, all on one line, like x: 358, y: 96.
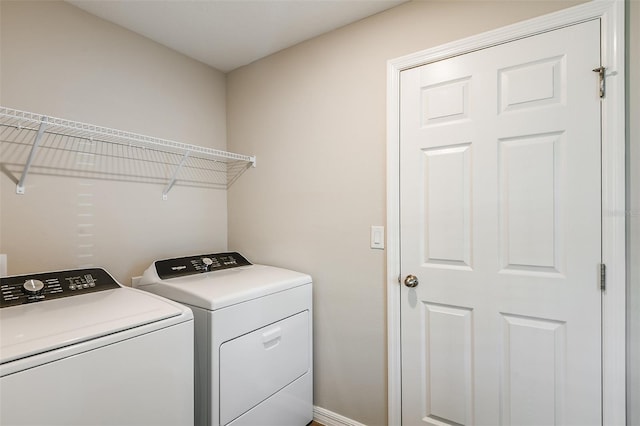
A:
x: 77, y: 348
x: 253, y: 337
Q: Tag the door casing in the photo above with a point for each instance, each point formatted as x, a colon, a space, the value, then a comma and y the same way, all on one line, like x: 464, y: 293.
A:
x: 611, y: 15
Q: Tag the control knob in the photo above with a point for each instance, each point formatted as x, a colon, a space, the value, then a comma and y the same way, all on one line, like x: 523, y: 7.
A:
x: 207, y: 263
x: 32, y: 287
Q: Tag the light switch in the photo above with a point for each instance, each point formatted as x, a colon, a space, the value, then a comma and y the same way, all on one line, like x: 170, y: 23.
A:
x: 377, y: 237
x: 3, y: 265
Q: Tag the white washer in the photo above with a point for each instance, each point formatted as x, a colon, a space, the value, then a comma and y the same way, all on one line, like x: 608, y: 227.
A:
x: 77, y: 348
x: 253, y: 326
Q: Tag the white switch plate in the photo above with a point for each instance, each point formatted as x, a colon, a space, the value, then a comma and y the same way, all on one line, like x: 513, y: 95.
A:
x: 3, y: 265
x: 377, y: 237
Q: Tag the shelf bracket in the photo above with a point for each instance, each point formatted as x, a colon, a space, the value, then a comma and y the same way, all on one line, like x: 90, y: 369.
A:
x: 175, y: 176
x: 34, y: 147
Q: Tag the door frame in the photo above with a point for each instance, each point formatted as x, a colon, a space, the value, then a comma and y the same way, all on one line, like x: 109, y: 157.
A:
x: 611, y: 14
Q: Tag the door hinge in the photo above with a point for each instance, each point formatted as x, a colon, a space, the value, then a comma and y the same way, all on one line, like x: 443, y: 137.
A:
x: 603, y: 277
x: 601, y: 76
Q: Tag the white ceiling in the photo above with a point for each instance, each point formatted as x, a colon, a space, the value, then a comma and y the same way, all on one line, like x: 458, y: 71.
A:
x: 227, y: 34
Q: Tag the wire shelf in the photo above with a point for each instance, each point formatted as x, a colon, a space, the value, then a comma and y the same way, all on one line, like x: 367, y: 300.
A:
x: 35, y: 143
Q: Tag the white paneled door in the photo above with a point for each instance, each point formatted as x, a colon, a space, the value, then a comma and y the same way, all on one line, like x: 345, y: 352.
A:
x: 500, y: 213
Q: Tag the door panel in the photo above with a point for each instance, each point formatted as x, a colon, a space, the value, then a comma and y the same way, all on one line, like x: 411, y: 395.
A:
x: 528, y: 218
x: 447, y: 204
x: 448, y: 373
x: 533, y: 367
x: 500, y: 221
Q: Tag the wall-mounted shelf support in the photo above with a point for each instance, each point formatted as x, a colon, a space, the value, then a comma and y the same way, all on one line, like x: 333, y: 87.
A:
x: 175, y: 175
x: 33, y: 143
x: 32, y: 153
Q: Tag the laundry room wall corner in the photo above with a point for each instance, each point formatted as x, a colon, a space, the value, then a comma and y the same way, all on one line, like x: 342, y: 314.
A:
x: 60, y: 61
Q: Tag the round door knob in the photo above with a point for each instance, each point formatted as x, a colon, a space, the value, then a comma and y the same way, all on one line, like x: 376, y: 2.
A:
x: 33, y: 286
x: 411, y: 281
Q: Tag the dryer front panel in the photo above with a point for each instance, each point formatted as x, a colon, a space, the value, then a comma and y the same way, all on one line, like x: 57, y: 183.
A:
x: 258, y: 364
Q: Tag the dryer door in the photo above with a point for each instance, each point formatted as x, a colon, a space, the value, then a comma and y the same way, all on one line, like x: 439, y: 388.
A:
x: 257, y: 365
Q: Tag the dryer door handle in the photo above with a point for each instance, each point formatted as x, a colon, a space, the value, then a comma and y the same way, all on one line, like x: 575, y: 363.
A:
x: 271, y: 338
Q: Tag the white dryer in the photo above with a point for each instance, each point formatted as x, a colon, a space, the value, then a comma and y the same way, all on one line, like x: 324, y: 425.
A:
x: 77, y: 348
x: 253, y: 331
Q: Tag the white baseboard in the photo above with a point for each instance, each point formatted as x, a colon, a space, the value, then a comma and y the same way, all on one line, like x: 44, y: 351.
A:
x: 329, y: 418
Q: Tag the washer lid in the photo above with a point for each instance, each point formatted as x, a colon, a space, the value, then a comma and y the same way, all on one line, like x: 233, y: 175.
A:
x: 39, y: 327
x: 219, y: 289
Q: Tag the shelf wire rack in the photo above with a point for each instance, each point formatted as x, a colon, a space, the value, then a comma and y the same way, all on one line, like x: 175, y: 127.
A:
x: 40, y: 144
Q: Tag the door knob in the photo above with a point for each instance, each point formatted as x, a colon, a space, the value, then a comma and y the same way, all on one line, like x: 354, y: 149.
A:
x: 411, y: 281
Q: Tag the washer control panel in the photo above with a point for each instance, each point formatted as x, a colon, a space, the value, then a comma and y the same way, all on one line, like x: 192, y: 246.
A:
x: 21, y: 289
x: 181, y: 266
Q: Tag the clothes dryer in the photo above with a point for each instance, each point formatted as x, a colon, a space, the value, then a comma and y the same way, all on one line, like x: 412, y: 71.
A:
x: 253, y: 337
x: 77, y: 348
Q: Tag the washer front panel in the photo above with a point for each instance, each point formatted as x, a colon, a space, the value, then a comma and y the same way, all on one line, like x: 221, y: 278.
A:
x: 112, y: 380
x: 34, y: 328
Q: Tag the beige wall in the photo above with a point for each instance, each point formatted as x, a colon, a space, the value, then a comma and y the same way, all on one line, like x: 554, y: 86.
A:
x: 315, y: 117
x: 60, y: 61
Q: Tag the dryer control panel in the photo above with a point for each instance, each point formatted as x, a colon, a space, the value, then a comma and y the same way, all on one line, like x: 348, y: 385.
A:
x: 181, y: 266
x: 21, y: 289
